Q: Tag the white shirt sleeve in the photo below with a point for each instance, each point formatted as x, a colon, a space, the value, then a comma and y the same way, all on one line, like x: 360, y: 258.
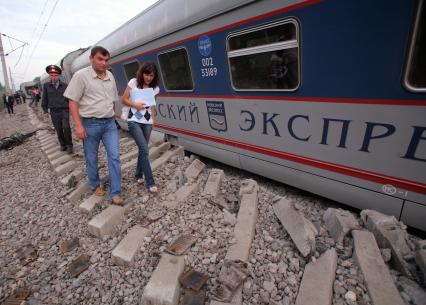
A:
x: 132, y: 83
x: 156, y: 90
x: 75, y: 88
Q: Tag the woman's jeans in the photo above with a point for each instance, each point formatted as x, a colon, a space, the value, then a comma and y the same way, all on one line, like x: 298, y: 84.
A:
x: 141, y: 133
x: 102, y: 129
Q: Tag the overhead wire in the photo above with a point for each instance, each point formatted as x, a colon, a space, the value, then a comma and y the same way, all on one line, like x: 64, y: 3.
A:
x: 10, y: 37
x: 36, y: 26
x: 41, y: 34
x: 10, y: 42
x: 14, y: 49
x: 38, y: 21
x: 20, y: 56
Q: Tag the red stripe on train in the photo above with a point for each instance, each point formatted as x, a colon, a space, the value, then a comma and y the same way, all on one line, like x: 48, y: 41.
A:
x: 362, y: 101
x: 337, y: 168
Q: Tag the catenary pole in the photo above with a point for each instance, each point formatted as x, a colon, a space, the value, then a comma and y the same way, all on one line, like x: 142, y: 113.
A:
x: 3, y: 63
x: 12, y: 84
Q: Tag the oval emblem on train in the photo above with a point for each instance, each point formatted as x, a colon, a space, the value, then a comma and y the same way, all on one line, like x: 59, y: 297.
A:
x: 389, y: 189
x: 204, y: 45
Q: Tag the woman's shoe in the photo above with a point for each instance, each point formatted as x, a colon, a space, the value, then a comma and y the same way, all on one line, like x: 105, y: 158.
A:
x: 117, y: 200
x: 140, y: 181
x: 153, y: 189
x: 99, y: 191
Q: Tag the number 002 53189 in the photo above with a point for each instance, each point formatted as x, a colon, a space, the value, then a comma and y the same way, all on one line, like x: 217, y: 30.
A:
x: 209, y: 72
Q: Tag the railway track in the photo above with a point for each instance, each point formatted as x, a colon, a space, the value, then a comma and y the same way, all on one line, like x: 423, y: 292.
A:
x: 254, y: 242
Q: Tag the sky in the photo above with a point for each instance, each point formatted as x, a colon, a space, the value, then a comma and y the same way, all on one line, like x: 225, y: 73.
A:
x: 72, y: 25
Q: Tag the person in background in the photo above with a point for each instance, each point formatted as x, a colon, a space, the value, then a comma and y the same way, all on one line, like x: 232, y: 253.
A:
x: 92, y: 92
x: 33, y: 97
x: 37, y: 94
x: 4, y: 96
x: 140, y: 127
x: 53, y: 101
x: 9, y: 102
x: 17, y: 97
x: 22, y: 96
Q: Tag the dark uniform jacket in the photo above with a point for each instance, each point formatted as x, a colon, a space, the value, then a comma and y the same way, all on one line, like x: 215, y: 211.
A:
x: 54, y: 98
x: 10, y: 99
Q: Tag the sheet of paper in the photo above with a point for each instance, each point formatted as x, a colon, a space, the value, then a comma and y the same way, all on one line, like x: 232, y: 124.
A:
x: 143, y: 95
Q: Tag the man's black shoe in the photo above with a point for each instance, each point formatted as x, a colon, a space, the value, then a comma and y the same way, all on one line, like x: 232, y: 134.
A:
x: 70, y: 149
x: 63, y: 148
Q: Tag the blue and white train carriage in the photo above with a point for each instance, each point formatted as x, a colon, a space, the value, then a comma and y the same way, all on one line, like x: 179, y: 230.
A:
x: 327, y: 96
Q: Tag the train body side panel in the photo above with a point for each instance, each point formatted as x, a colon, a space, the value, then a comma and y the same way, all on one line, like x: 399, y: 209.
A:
x: 350, y: 123
x: 295, y: 134
x: 414, y: 214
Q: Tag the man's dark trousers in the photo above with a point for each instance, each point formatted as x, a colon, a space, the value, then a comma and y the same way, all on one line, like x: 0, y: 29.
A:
x: 61, y: 122
x: 9, y: 108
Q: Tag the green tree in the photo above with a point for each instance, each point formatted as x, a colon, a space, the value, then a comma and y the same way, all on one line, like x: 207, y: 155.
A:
x: 2, y: 90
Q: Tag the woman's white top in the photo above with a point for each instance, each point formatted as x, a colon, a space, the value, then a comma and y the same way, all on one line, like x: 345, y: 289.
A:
x: 133, y: 84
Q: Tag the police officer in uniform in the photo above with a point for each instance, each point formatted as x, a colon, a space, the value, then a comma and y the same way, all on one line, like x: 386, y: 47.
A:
x: 53, y: 101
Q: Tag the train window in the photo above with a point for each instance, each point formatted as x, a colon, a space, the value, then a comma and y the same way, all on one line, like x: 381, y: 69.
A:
x: 265, y: 58
x: 131, y: 68
x: 112, y: 72
x: 175, y: 70
x: 415, y: 74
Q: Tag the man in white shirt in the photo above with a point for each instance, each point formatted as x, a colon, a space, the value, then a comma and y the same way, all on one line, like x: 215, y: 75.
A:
x: 92, y: 92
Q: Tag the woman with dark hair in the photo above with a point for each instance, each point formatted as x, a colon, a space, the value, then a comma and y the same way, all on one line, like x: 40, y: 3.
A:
x: 140, y: 120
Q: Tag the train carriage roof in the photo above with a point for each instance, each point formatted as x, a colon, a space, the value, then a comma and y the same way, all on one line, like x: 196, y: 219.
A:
x: 28, y: 84
x: 65, y: 64
x: 162, y: 18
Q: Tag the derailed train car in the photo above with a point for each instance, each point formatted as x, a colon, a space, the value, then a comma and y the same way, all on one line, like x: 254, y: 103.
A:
x: 27, y: 87
x: 327, y: 96
x: 65, y: 64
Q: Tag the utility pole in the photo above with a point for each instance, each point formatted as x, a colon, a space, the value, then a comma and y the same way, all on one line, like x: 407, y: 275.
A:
x: 11, y: 81
x: 3, y: 63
